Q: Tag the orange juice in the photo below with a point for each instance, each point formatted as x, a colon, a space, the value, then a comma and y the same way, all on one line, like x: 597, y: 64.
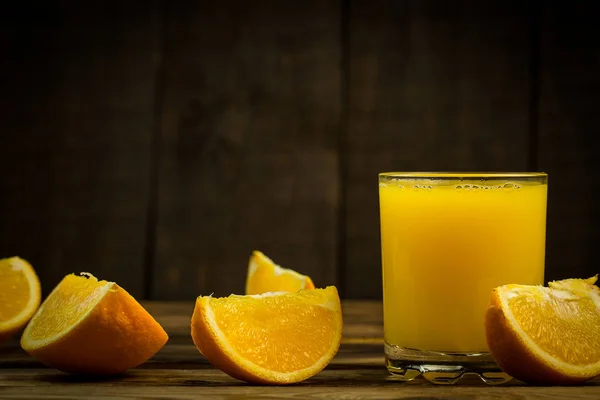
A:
x: 447, y: 241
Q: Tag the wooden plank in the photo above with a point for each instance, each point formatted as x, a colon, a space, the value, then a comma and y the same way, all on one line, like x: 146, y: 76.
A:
x: 568, y: 124
x: 78, y: 88
x: 179, y: 371
x: 248, y: 145
x: 334, y: 382
x: 431, y: 87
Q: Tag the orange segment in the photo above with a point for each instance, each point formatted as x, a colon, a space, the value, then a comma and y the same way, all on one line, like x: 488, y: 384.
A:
x: 20, y: 295
x: 546, y: 335
x: 273, y: 338
x: 266, y: 276
x: 92, y: 327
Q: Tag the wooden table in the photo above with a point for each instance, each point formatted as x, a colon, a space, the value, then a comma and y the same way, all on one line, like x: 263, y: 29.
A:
x: 179, y: 371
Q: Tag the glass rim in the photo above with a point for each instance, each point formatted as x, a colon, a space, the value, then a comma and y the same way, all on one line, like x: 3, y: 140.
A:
x: 466, y: 175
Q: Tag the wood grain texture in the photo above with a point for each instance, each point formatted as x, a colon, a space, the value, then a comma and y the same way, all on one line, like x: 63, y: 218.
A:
x: 333, y: 383
x: 431, y: 87
x: 568, y: 125
x: 179, y: 371
x: 76, y: 126
x: 248, y: 144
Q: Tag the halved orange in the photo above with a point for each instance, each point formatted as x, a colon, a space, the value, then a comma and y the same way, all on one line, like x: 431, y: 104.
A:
x: 266, y: 276
x: 20, y: 295
x: 273, y: 338
x: 546, y: 335
x: 88, y: 326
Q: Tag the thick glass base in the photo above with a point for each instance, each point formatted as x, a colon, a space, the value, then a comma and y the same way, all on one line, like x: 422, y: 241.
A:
x: 441, y: 368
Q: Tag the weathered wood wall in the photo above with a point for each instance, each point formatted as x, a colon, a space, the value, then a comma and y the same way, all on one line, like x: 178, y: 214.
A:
x: 158, y: 143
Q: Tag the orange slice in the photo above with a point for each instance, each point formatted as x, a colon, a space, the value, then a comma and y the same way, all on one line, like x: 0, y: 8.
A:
x: 265, y: 276
x: 273, y: 338
x: 546, y: 335
x: 89, y: 326
x: 20, y: 295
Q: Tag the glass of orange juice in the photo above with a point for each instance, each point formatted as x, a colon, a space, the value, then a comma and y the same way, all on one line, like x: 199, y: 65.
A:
x: 447, y: 240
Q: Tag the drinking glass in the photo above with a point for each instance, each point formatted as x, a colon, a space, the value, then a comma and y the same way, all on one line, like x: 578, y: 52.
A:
x: 447, y: 240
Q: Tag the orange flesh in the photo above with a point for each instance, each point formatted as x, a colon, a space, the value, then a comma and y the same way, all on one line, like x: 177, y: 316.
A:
x: 551, y: 322
x: 266, y: 276
x: 265, y: 280
x: 14, y: 293
x: 280, y: 341
x: 75, y: 298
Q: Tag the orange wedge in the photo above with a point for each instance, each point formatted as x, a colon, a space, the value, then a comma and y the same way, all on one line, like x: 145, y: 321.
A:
x: 273, y: 338
x: 88, y: 326
x: 265, y: 276
x: 20, y: 295
x: 546, y: 335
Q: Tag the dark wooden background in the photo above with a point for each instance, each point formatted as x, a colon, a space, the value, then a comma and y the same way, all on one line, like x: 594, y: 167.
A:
x: 158, y: 143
